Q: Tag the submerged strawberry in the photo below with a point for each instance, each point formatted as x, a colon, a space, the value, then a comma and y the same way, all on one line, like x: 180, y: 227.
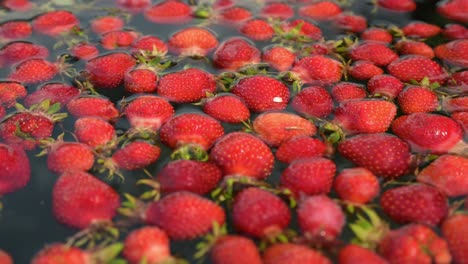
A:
x: 293, y: 253
x: 169, y: 12
x: 54, y: 23
x: 106, y: 24
x: 234, y: 249
x: 279, y: 58
x: 15, y: 169
x: 455, y: 230
x: 398, y: 5
x: 357, y: 185
x: 94, y: 131
x: 235, y: 53
x: 227, y: 108
x: 34, y: 71
x: 18, y: 51
x: 54, y: 92
x: 148, y: 112
x: 313, y: 101
x: 318, y: 70
x: 108, y: 71
x: 56, y: 253
x: 453, y: 52
x: 374, y: 52
x: 415, y: 68
x: 135, y: 155
x: 322, y: 10
x: 354, y: 254
x: 257, y: 29
x: 97, y: 106
x: 192, y: 41
x: 149, y: 244
x: 16, y: 29
x: 10, y: 92
x: 300, y: 147
x: 69, y: 156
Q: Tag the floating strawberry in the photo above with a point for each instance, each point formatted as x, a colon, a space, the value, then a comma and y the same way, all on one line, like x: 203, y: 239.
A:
x: 234, y: 14
x: 134, y: 156
x: 375, y: 52
x: 354, y: 254
x: 108, y: 71
x: 455, y: 31
x: 454, y: 229
x: 357, y: 185
x: 417, y: 99
x: 119, y: 39
x: 453, y: 52
x: 323, y: 10
x: 398, y: 5
x: 10, y: 92
x: 94, y: 131
x: 299, y: 30
x: 257, y: 29
x: 148, y: 112
x: 293, y: 253
x: 54, y: 92
x: 235, y: 53
x: 277, y: 10
x: 84, y: 51
x: 149, y: 44
x: 106, y: 24
x: 279, y: 58
x: 16, y: 29
x: 300, y: 147
x: 421, y: 30
x: 97, y: 106
x: 18, y: 51
x: 343, y: 91
x: 234, y: 249
x: 313, y: 101
x: 227, y: 108
x: 385, y: 85
x: 415, y: 68
x: 15, y: 168
x: 169, y: 12
x: 140, y: 81
x: 61, y: 252
x: 348, y: 21
x: 408, y: 47
x: 33, y: 71
x: 317, y: 70
x: 364, y: 70
x: 377, y: 34
x: 69, y: 156
x: 192, y: 41
x: 149, y: 244
x: 54, y: 23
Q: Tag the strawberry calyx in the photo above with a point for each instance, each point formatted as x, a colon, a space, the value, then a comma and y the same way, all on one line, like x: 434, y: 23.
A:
x: 97, y: 235
x: 108, y: 166
x: 155, y: 192
x: 45, y: 108
x: 233, y: 184
x: 190, y: 152
x: 209, y: 240
x: 275, y: 235
x: 331, y: 133
x: 132, y: 208
x: 369, y: 229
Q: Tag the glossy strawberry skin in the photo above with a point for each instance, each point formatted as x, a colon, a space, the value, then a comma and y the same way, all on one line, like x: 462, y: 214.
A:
x: 235, y: 249
x: 16, y: 29
x: 455, y: 230
x: 398, y: 5
x: 300, y: 147
x: 318, y: 70
x: 54, y: 92
x: 148, y: 111
x: 313, y: 101
x: 293, y: 253
x: 92, y: 106
x: 416, y: 67
x: 192, y: 42
x: 235, y: 53
x: 377, y: 53
x: 68, y: 156
x: 94, y: 131
x: 257, y: 29
x: 18, y: 51
x: 354, y: 254
x: 364, y: 70
x: 417, y: 99
x: 149, y: 243
x: 10, y: 92
x: 108, y: 71
x: 34, y: 71
x: 15, y: 168
x: 356, y: 185
x: 61, y: 253
x: 106, y: 24
x: 54, y: 23
x: 385, y: 85
x: 169, y: 12
x: 343, y: 91
x: 279, y: 58
x: 227, y: 108
x: 324, y: 10
x: 140, y: 81
x: 421, y: 30
x: 136, y: 155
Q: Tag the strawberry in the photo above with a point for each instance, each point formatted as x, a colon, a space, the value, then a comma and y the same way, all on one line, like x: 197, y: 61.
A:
x: 455, y: 231
x: 416, y: 203
x: 235, y: 53
x: 384, y: 85
x: 455, y: 104
x: 149, y: 44
x: 357, y: 185
x: 448, y: 173
x: 84, y: 51
x: 321, y: 10
x: 148, y: 111
x: 398, y: 5
x: 239, y: 153
x: 364, y: 70
x: 148, y: 243
x: 416, y: 99
x: 262, y: 93
x: 462, y: 119
x: 189, y: 175
x: 415, y: 68
x: 135, y: 155
x: 54, y: 92
x: 408, y: 47
x: 86, y: 106
x: 300, y: 147
x: 227, y: 108
x: 309, y: 176
x: 17, y: 5
x: 300, y: 29
x: 235, y: 14
x: 186, y: 86
x: 69, y: 156
x: 428, y: 132
x: 119, y: 39
x: 279, y: 58
x: 293, y: 253
x: 140, y: 81
x: 280, y: 11
x: 354, y: 254
x: 348, y: 21
x: 108, y: 71
x: 18, y: 51
x: 391, y: 164
x: 184, y: 215
x: 134, y: 6
x: 343, y: 91
x: 455, y: 10
x: 259, y: 213
x: 33, y: 71
x: 192, y: 41
x: 451, y: 31
x: 365, y: 115
x: 16, y: 29
x: 10, y: 92
x: 318, y: 70
x: 320, y: 218
x: 376, y: 34
x: 79, y: 199
x: 2, y: 112
x: 61, y: 253
x: 453, y: 52
x: 55, y: 23
x: 169, y: 12
x: 421, y: 30
x: 5, y: 258
x: 374, y: 52
x: 234, y: 249
x: 414, y: 243
x: 15, y: 168
x: 257, y: 29
x: 313, y: 101
x: 94, y: 131
x: 106, y: 24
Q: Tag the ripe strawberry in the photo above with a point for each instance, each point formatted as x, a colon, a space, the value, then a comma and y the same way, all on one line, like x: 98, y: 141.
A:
x: 348, y: 21
x: 309, y: 176
x: 361, y: 151
x: 262, y: 93
x: 374, y: 52
x: 61, y: 253
x: 239, y: 153
x: 455, y: 104
x: 79, y: 199
x: 343, y: 91
x: 415, y: 68
x: 135, y: 155
x: 148, y: 112
x: 140, y: 81
x: 416, y: 203
x: 17, y: 5
x: 134, y: 6
x: 54, y: 92
x: 15, y: 169
x: 235, y: 14
x: 5, y: 258
x: 320, y: 218
x: 235, y: 53
x: 410, y: 47
x: 106, y: 24
x: 234, y: 249
x: 300, y: 29
x: 453, y: 52
x: 169, y: 12
x: 455, y: 230
x: 318, y: 70
x: 293, y: 253
x: 184, y: 215
x: 16, y: 29
x: 451, y: 31
x: 428, y: 132
x: 259, y: 213
x: 108, y: 71
x: 365, y: 116
x: 455, y: 10
x: 322, y: 10
x: 86, y: 106
x: 257, y: 29
x: 69, y: 156
x: 119, y: 39
x: 357, y: 185
x: 186, y: 86
x: 149, y: 44
x: 2, y: 112
x: 313, y: 101
x: 462, y: 119
x: 34, y: 71
x: 448, y: 173
x: 55, y: 23
x: 227, y: 108
x: 354, y: 254
x: 398, y: 5
x: 94, y: 131
x: 84, y: 51
x: 10, y: 92
x: 377, y: 34
x: 421, y: 30
x: 384, y: 85
x: 364, y: 70
x: 189, y: 175
x: 300, y: 147
x: 280, y: 11
x: 18, y: 51
x: 148, y: 243
x: 192, y: 41
x: 416, y: 99
x: 414, y: 243
x: 279, y: 58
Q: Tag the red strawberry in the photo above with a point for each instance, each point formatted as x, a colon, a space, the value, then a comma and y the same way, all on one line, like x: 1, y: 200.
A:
x: 408, y: 47
x: 259, y: 213
x: 462, y: 119
x: 455, y: 230
x: 79, y: 199
x: 375, y: 52
x: 377, y: 34
x: 134, y: 6
x: 343, y: 91
x: 149, y: 244
x: 280, y: 11
x: 235, y: 53
x: 415, y: 99
x: 61, y: 253
x: 94, y: 131
x: 186, y: 86
x: 239, y: 153
x: 454, y: 52
x: 448, y: 173
x: 54, y: 92
x: 415, y: 68
x: 349, y: 21
x: 15, y: 52
x: 10, y: 92
x: 106, y: 24
x: 169, y: 12
x: 149, y: 44
x: 279, y: 58
x: 300, y: 29
x: 17, y: 5
x: 86, y: 106
x: 189, y: 175
x: 15, y: 170
x: 455, y: 104
x: 54, y: 23
x: 135, y: 155
x: 300, y: 147
x: 421, y: 30
x: 416, y: 203
x: 385, y: 85
x: 234, y: 249
x: 69, y: 156
x: 262, y: 93
x: 2, y: 112
x: 364, y: 70
x: 322, y: 10
x: 119, y: 39
x: 361, y: 151
x: 192, y: 41
x: 357, y: 185
x: 455, y: 31
x: 108, y: 71
x: 184, y: 215
x: 84, y: 51
x: 277, y: 127
x: 5, y: 258
x: 227, y: 108
x: 293, y: 253
x: 257, y: 29
x: 235, y: 14
x: 140, y: 81
x: 398, y: 5
x: 16, y: 29
x: 318, y: 70
x: 34, y: 71
x: 455, y: 9
x: 313, y: 101
x: 148, y: 111
x: 354, y: 254
x: 309, y: 176
x: 428, y: 132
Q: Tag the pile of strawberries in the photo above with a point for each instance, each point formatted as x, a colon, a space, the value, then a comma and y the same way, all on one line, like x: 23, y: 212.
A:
x: 224, y: 131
